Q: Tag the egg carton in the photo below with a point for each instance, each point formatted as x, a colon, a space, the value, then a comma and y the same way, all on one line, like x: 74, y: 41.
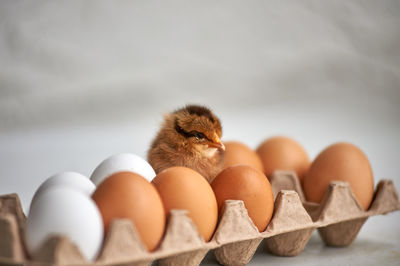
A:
x: 338, y: 220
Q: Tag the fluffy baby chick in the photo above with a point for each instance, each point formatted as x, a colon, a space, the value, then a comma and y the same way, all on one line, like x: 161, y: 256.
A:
x: 191, y: 137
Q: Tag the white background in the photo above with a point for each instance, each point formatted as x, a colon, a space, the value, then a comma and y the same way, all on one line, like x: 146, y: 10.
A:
x: 80, y: 81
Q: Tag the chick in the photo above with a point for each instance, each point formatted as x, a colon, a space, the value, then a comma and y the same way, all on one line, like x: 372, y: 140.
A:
x: 190, y: 137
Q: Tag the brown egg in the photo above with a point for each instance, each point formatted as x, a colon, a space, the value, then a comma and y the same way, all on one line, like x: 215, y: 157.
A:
x: 283, y: 153
x: 343, y: 162
x: 185, y: 189
x: 129, y: 195
x: 242, y: 182
x: 239, y: 153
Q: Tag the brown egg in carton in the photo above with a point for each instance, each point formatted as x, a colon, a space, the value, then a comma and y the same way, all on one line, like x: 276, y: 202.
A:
x: 338, y: 220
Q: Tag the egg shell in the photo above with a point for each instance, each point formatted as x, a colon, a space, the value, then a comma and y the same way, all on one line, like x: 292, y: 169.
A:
x: 283, y: 153
x: 239, y: 153
x: 65, y: 211
x: 122, y: 162
x: 340, y: 162
x: 185, y: 189
x: 129, y: 195
x: 242, y: 182
x: 70, y: 179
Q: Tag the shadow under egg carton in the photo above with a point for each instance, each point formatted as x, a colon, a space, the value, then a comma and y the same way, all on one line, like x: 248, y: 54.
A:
x: 338, y: 219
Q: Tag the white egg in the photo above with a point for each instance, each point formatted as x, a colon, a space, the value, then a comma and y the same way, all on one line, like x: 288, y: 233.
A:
x: 65, y: 211
x: 122, y: 162
x: 70, y: 179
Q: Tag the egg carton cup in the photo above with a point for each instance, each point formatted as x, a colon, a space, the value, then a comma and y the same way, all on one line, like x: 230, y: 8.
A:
x: 338, y: 220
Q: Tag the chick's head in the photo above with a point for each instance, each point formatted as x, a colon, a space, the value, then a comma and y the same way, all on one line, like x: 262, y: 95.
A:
x: 199, y: 128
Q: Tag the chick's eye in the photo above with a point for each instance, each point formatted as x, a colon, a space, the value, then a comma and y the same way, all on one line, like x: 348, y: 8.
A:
x: 198, y: 135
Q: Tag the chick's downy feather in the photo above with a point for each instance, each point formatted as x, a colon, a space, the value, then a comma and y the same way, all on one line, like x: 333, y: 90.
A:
x: 191, y: 137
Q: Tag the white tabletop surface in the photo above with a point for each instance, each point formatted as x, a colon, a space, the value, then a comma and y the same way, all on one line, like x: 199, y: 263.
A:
x: 80, y: 81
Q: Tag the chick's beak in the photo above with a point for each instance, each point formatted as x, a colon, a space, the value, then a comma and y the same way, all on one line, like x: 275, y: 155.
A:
x: 217, y: 143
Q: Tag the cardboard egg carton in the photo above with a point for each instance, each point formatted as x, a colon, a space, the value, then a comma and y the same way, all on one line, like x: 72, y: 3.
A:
x: 338, y: 220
